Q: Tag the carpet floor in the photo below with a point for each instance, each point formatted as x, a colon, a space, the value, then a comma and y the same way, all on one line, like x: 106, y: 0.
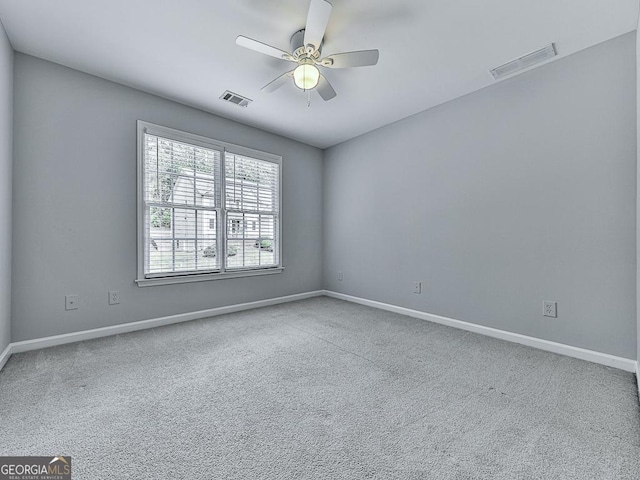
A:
x: 319, y: 389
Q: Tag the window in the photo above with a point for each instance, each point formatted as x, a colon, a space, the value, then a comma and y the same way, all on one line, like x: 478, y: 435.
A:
x: 207, y: 209
x: 251, y: 198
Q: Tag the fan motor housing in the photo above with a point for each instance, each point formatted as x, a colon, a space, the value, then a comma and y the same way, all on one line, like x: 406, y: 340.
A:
x: 298, y: 47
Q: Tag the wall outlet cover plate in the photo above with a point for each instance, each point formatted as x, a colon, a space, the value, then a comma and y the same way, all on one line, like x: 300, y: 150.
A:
x: 114, y: 297
x: 550, y: 309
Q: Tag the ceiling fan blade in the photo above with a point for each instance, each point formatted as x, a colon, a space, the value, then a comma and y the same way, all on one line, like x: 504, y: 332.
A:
x: 278, y: 82
x: 362, y: 58
x: 325, y: 89
x: 317, y: 19
x: 263, y: 48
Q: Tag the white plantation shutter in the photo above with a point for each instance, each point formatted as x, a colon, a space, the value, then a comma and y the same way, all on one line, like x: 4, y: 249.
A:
x: 252, y: 205
x: 193, y: 216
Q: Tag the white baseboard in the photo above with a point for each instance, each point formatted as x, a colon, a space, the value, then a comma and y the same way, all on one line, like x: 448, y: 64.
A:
x: 576, y: 352
x: 560, y: 348
x: 4, y: 356
x: 53, y: 341
x: 638, y: 378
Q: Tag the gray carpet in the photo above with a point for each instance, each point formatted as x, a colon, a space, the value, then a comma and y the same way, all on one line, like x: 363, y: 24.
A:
x: 319, y: 389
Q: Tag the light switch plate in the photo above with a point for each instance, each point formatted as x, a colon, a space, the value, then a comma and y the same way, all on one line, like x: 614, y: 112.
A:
x: 71, y: 302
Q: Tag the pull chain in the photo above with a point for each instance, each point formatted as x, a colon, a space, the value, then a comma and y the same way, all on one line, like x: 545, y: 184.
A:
x: 308, y: 98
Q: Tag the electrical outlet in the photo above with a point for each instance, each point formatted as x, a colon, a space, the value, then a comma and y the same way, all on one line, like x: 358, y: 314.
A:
x: 340, y: 276
x: 71, y: 302
x: 114, y: 297
x: 550, y: 309
x: 417, y: 287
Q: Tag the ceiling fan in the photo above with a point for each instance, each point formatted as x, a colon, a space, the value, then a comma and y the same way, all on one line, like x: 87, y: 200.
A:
x: 306, y: 48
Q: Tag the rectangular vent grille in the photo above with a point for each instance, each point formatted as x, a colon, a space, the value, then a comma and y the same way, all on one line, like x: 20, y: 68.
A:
x: 525, y: 61
x: 235, y: 99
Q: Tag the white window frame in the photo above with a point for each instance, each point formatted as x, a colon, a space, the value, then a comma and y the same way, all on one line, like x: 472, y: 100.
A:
x: 189, y: 138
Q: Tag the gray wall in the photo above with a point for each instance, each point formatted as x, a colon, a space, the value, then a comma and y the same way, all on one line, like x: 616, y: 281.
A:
x: 637, y: 63
x: 6, y: 161
x: 519, y: 193
x: 75, y: 204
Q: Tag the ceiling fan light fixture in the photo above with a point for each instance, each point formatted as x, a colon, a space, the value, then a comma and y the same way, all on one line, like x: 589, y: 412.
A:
x: 306, y: 51
x: 306, y: 76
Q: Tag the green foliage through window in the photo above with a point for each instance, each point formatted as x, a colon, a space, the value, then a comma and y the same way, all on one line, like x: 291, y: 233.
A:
x: 160, y: 217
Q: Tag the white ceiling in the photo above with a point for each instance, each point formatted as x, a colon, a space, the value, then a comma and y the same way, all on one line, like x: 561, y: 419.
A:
x: 431, y: 51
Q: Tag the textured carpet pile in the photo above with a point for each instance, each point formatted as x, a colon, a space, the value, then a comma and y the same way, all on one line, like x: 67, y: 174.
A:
x: 319, y: 389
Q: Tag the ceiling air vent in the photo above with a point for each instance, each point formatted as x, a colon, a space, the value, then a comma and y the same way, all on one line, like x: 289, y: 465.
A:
x: 525, y: 61
x: 235, y: 99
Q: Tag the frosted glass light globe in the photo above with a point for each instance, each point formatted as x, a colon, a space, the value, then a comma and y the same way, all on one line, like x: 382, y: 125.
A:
x: 306, y: 76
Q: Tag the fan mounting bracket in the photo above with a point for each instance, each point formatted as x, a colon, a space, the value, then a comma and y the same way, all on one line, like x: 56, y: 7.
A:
x: 300, y: 50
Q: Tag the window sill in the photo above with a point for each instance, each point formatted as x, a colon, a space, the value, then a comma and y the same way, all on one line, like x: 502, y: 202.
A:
x: 149, y: 282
